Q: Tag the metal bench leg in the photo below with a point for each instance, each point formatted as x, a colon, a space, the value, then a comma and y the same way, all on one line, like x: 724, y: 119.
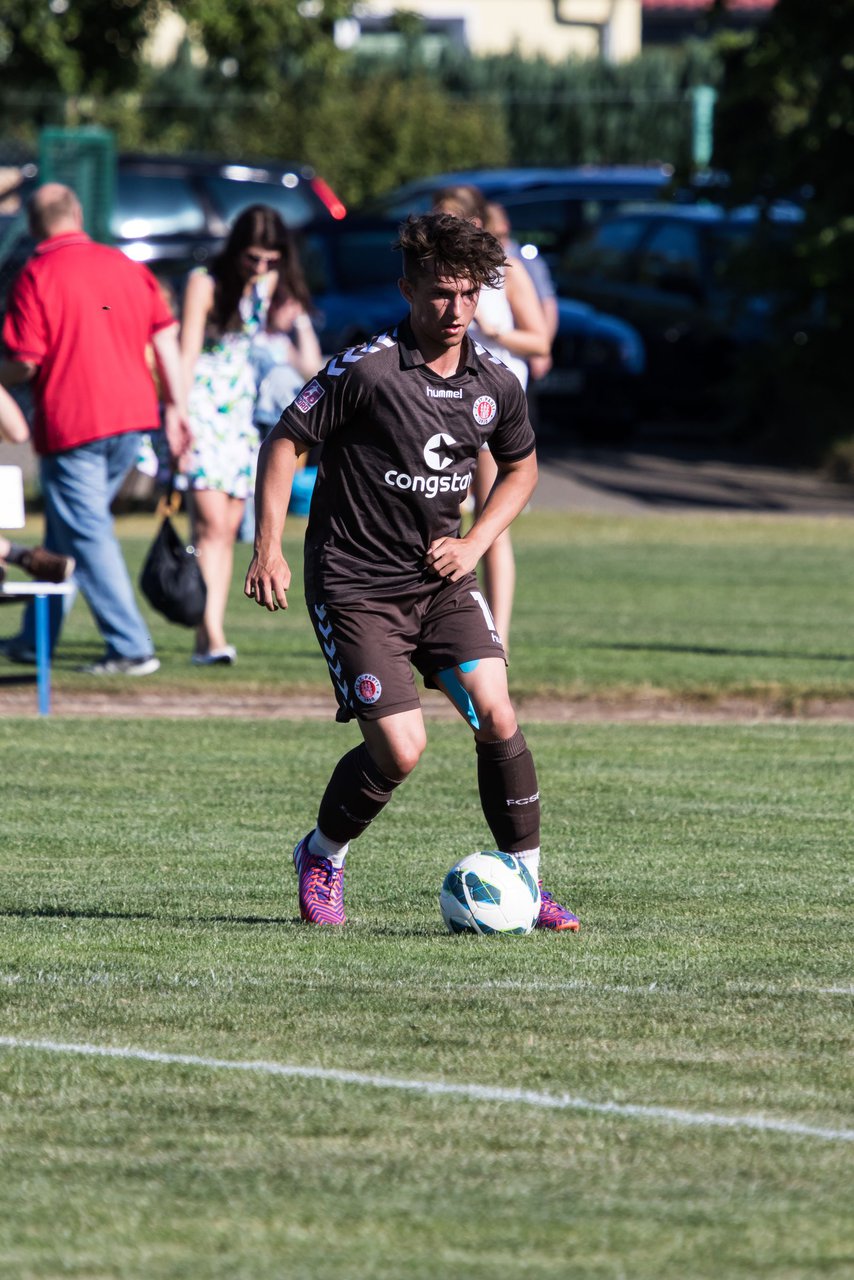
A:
x: 43, y: 655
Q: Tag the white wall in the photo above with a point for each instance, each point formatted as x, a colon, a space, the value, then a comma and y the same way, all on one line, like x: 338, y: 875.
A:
x: 497, y: 26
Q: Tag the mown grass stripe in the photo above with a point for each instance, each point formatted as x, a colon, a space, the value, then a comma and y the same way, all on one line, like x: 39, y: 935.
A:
x: 313, y: 980
x: 474, y: 1092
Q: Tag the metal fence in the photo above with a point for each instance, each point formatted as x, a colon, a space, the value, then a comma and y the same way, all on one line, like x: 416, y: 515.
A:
x: 84, y: 159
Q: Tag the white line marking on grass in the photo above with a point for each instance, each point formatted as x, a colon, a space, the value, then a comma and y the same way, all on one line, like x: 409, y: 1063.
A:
x: 433, y: 1088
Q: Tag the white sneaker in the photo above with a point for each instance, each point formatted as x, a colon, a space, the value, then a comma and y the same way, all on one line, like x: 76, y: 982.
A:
x: 224, y: 657
x: 123, y: 667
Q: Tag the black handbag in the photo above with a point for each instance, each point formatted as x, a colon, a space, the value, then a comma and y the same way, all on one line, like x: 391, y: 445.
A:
x: 171, y: 579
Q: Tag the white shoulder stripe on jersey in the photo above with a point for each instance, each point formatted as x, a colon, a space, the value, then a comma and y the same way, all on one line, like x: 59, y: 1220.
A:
x: 484, y: 351
x: 338, y: 364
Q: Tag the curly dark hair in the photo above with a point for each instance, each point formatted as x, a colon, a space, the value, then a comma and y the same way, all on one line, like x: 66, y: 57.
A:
x: 258, y: 225
x: 443, y: 245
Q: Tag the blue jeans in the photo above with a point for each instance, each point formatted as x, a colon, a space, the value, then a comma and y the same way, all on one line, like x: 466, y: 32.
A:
x: 78, y: 488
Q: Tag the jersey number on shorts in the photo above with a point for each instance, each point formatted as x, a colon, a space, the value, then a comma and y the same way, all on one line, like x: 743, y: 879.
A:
x: 485, y: 610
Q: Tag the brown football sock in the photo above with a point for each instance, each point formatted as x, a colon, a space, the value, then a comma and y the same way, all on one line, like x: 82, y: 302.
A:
x: 357, y: 791
x: 509, y: 795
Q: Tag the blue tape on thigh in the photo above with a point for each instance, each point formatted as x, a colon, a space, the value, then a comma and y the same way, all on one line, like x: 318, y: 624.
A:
x: 458, y: 695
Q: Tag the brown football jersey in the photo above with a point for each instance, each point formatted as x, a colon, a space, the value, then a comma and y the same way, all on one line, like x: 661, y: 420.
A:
x: 400, y: 444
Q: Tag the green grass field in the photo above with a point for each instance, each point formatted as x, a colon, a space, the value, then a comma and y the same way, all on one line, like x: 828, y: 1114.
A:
x: 147, y: 903
x: 666, y: 1096
x: 699, y: 606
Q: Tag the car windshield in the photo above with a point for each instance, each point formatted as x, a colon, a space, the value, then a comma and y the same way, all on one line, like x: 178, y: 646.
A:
x: 554, y: 218
x: 547, y: 221
x: 400, y: 206
x: 605, y: 251
x: 154, y: 205
x: 292, y: 198
x: 350, y: 260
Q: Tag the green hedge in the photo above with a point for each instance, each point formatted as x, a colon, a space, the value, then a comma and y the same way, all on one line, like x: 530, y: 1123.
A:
x: 369, y: 124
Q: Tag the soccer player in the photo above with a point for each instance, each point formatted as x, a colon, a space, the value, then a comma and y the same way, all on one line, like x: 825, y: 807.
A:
x: 389, y: 582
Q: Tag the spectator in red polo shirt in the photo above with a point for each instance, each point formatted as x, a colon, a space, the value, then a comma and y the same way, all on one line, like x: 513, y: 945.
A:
x: 78, y: 320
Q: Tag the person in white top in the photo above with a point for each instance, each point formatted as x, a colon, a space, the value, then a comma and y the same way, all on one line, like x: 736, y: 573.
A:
x: 493, y: 322
x: 510, y: 324
x: 498, y: 223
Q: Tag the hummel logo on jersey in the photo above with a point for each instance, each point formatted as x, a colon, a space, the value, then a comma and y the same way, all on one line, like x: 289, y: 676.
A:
x: 439, y: 393
x: 435, y: 460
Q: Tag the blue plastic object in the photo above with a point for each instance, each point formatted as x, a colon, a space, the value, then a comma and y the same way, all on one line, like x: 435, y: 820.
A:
x: 303, y: 488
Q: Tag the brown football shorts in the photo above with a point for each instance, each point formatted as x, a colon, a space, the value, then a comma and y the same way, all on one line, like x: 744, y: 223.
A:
x: 371, y: 646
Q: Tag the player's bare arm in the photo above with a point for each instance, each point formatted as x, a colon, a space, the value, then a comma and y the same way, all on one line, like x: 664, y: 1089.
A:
x: 269, y: 577
x: 198, y: 304
x: 452, y: 558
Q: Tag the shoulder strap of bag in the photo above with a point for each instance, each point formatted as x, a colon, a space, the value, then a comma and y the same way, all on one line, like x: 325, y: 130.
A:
x: 170, y: 501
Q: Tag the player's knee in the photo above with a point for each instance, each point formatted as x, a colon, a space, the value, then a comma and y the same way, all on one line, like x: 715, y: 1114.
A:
x: 397, y: 759
x: 406, y: 757
x: 497, y: 723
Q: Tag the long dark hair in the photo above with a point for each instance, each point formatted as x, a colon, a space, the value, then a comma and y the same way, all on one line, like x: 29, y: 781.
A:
x: 261, y: 226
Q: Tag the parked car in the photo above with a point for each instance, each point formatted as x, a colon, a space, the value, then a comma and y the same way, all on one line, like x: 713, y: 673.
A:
x: 353, y: 272
x: 177, y: 209
x: 598, y: 361
x: 168, y: 207
x: 173, y: 213
x: 669, y: 271
x: 547, y: 207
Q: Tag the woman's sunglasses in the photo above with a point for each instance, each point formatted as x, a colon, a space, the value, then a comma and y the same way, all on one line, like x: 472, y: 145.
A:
x: 261, y: 259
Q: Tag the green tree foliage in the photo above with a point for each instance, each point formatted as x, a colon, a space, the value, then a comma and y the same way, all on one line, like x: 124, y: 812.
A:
x: 73, y: 45
x: 262, y: 41
x: 369, y: 134
x: 363, y: 135
x: 271, y: 82
x: 57, y: 50
x: 785, y: 127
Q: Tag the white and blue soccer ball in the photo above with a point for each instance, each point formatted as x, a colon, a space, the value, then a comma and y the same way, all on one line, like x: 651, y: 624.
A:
x: 490, y: 893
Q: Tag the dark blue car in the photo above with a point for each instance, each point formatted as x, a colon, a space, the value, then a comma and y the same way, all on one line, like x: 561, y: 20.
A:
x: 548, y: 208
x: 353, y: 271
x: 684, y: 277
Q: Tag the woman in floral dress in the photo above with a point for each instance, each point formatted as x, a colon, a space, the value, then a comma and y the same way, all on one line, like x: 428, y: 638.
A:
x: 254, y: 284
